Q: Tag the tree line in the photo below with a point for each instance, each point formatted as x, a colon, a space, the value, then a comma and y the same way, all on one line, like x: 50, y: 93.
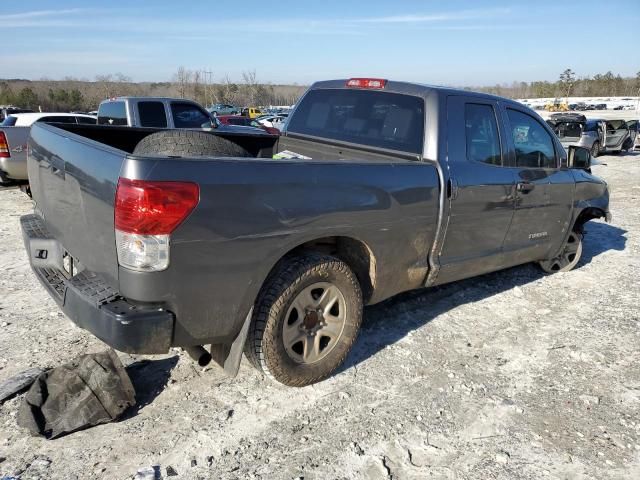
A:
x: 71, y: 94
x: 570, y: 85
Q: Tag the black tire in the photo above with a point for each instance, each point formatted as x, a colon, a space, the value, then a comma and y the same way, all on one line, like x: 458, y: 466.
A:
x: 595, y: 149
x: 265, y: 347
x: 626, y: 146
x: 189, y: 143
x: 568, y: 258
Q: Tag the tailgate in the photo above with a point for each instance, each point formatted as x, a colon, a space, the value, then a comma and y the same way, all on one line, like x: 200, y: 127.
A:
x: 73, y: 182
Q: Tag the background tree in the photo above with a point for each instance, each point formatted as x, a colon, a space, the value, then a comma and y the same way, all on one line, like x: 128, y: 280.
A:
x: 28, y: 98
x: 567, y: 80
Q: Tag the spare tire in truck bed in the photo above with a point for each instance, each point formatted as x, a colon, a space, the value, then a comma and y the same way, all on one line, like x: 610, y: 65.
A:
x: 189, y: 143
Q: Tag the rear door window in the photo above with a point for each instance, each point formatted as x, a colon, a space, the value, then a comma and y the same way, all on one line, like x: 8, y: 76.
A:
x: 152, y: 114
x: 187, y: 115
x: 616, y: 125
x: 533, y: 143
x: 371, y: 118
x: 481, y: 129
x: 112, y: 113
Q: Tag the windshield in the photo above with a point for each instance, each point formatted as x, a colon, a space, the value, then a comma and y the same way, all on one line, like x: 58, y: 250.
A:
x: 372, y: 118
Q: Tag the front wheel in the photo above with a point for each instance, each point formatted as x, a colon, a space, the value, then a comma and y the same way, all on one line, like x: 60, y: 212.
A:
x: 306, y: 320
x: 595, y: 149
x: 568, y: 257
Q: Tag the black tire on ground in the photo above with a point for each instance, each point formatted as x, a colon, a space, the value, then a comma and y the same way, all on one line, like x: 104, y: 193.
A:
x: 627, y: 145
x: 595, y: 149
x: 276, y: 316
x: 189, y: 143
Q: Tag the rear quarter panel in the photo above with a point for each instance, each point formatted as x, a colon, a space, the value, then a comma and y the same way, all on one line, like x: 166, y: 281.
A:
x: 252, y: 212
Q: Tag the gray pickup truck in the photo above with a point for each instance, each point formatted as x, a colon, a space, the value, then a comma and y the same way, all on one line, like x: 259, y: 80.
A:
x: 272, y: 245
x: 153, y: 112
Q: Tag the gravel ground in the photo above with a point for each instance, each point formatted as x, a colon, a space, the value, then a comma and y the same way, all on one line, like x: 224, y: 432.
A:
x: 513, y: 375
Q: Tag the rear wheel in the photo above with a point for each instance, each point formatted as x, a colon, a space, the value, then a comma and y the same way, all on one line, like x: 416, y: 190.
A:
x: 568, y: 257
x: 306, y: 320
x: 595, y: 149
x: 189, y: 143
x: 626, y: 146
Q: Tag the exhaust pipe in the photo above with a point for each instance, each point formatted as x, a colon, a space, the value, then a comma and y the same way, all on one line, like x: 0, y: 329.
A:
x: 199, y: 354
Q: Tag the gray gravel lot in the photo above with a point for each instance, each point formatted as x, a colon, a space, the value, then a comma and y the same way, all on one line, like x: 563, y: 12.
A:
x: 513, y: 375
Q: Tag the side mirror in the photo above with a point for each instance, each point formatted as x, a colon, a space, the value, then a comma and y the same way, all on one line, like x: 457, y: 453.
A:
x: 580, y: 158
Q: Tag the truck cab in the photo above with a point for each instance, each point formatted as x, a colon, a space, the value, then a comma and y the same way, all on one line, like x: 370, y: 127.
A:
x: 153, y: 112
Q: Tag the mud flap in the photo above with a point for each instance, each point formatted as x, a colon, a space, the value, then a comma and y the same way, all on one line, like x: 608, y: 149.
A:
x: 229, y: 356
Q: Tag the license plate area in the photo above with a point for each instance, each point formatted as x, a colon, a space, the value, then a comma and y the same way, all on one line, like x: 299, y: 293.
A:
x: 70, y: 266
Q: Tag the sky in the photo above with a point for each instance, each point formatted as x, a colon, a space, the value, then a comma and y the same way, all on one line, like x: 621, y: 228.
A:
x: 461, y: 43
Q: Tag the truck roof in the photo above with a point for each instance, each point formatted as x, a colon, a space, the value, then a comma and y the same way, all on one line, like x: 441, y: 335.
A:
x: 157, y: 99
x: 411, y: 88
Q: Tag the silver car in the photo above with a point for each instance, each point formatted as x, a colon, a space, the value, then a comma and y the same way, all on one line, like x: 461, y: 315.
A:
x: 598, y: 135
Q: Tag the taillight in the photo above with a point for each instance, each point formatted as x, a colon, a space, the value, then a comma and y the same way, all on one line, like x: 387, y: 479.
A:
x: 366, y: 83
x: 145, y: 215
x: 4, y: 146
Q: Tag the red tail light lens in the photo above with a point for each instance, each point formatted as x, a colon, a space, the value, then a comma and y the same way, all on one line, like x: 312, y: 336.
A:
x: 4, y: 146
x: 376, y: 83
x: 153, y: 208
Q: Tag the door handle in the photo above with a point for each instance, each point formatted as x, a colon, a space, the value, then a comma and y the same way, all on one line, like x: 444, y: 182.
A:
x: 525, y: 187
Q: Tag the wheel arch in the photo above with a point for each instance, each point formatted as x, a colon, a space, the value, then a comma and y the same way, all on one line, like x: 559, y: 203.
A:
x: 354, y: 252
x: 588, y: 213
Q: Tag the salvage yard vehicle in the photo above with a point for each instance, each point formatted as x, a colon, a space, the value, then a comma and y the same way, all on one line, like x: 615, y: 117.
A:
x: 191, y: 238
x: 153, y: 112
x: 239, y: 120
x: 5, y: 111
x: 223, y: 109
x: 14, y: 132
x: 598, y: 135
x: 251, y: 112
x: 158, y: 112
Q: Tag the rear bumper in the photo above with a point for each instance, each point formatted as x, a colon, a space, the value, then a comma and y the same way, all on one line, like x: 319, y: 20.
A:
x: 91, y: 303
x: 14, y: 167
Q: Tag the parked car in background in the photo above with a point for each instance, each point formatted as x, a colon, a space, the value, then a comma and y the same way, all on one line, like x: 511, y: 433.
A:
x: 155, y: 238
x: 273, y: 121
x: 223, y: 109
x: 251, y: 112
x: 596, y: 134
x: 14, y: 133
x: 8, y: 110
x: 239, y: 120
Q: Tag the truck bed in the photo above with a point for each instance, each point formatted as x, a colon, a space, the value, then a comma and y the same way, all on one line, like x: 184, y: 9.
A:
x: 251, y: 213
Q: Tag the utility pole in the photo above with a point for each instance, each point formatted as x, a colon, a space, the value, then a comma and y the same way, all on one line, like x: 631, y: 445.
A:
x: 208, y: 87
